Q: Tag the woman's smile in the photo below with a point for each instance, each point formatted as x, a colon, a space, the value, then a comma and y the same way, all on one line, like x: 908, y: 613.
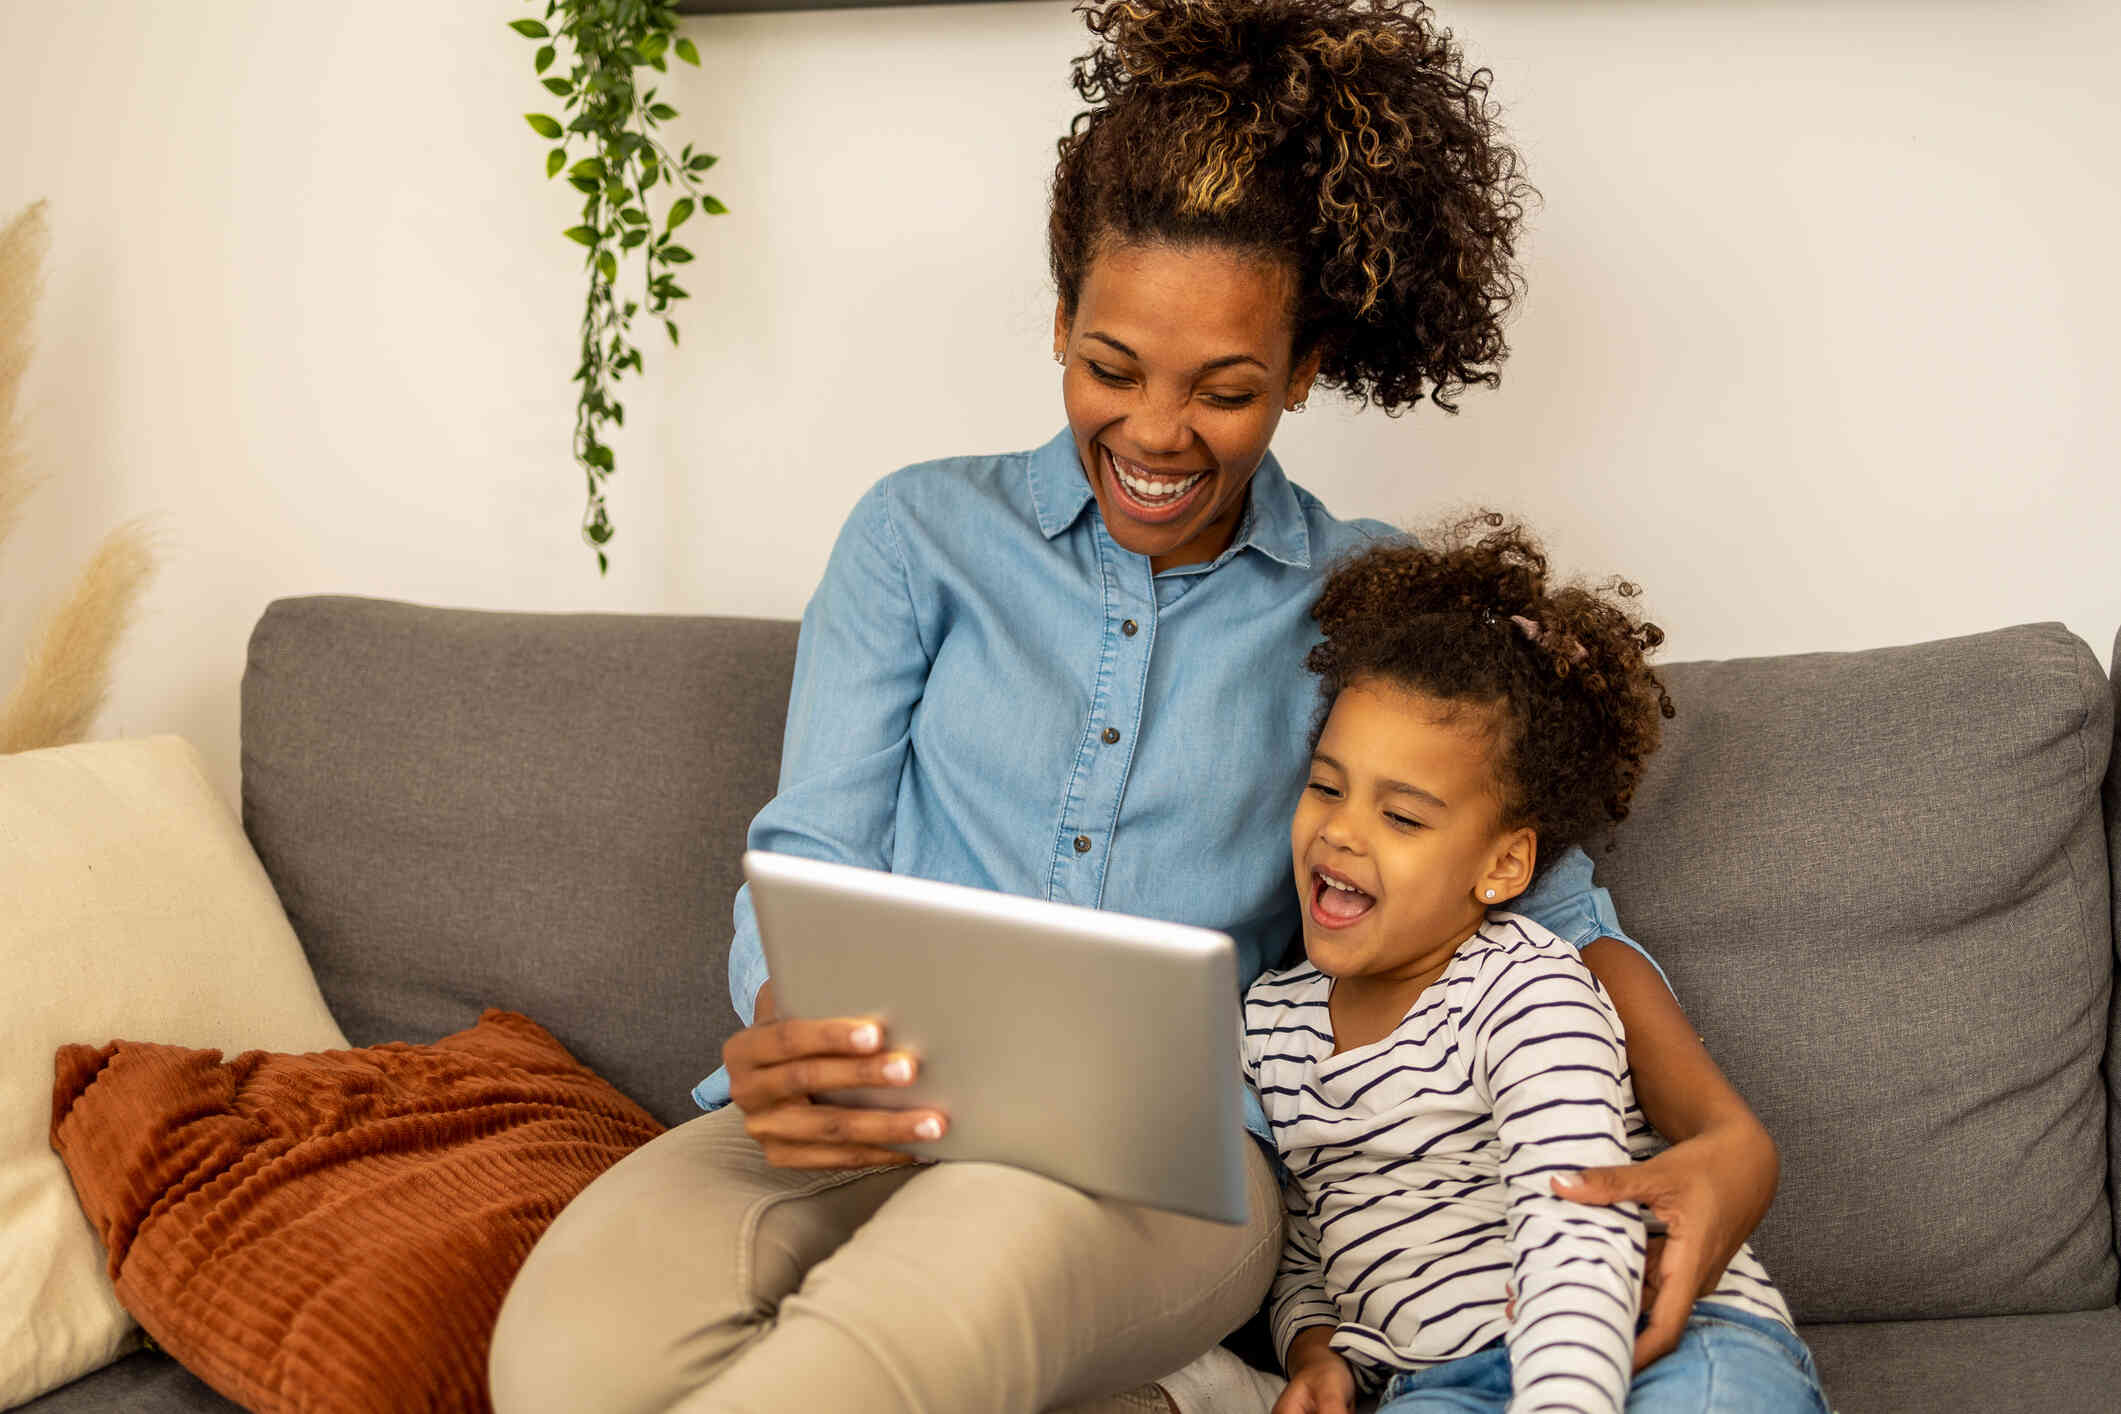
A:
x: 1151, y: 496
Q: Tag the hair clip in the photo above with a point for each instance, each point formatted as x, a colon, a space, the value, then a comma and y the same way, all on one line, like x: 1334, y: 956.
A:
x: 1574, y: 651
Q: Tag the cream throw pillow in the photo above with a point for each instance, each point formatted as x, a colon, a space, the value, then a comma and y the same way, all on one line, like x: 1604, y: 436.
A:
x: 131, y: 907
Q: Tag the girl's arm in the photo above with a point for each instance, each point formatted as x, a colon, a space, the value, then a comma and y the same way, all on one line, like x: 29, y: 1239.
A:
x: 1713, y: 1186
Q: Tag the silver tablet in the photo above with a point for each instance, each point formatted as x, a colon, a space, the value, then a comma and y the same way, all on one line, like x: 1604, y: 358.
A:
x: 1095, y: 1048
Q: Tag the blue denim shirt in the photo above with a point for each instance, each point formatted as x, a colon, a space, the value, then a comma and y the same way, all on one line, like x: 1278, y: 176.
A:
x: 990, y: 691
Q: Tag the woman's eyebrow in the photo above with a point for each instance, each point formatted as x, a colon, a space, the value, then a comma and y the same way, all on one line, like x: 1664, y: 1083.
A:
x: 1226, y: 361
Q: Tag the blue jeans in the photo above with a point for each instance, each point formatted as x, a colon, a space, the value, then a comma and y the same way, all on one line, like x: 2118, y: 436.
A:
x: 1728, y: 1362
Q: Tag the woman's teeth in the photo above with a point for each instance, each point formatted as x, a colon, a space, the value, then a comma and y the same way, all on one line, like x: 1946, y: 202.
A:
x: 1152, y: 491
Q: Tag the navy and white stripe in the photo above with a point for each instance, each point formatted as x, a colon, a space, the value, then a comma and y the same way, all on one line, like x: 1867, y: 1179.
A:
x: 1418, y: 1195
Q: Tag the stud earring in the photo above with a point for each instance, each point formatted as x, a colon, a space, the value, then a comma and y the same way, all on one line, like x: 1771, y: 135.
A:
x: 1059, y: 357
x: 1298, y: 405
x: 1489, y: 894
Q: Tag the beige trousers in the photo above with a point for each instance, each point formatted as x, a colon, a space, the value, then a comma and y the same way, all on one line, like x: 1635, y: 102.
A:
x: 695, y: 1276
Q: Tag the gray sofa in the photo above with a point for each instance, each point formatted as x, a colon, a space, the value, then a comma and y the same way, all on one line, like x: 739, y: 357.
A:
x: 1881, y: 882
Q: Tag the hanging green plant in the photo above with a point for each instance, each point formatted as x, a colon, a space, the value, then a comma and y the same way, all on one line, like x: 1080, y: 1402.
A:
x: 622, y: 159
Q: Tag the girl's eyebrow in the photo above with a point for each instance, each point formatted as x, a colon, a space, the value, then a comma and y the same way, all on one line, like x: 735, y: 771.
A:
x: 1226, y: 361
x: 1387, y: 785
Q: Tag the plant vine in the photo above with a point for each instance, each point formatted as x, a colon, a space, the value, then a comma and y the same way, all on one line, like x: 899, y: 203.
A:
x: 618, y: 123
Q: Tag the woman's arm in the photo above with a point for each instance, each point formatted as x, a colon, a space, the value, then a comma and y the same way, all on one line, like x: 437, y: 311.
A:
x: 1713, y: 1186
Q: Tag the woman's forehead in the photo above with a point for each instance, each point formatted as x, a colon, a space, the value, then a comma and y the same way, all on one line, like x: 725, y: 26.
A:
x: 1188, y: 302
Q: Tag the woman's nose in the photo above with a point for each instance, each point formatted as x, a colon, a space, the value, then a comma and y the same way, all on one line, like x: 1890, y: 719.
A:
x: 1159, y: 428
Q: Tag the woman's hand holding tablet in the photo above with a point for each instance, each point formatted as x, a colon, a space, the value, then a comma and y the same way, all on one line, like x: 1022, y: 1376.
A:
x: 776, y: 1066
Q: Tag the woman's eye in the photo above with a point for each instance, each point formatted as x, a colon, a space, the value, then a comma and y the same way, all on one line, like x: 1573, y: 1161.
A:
x: 1103, y: 374
x: 1232, y: 400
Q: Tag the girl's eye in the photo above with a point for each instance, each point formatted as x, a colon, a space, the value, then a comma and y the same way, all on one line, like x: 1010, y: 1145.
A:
x: 1103, y: 374
x: 1322, y: 789
x: 1403, y: 821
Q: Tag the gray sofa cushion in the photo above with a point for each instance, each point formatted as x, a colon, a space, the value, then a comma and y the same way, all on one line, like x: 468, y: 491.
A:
x: 1878, y: 881
x: 147, y: 1382
x: 537, y: 812
x: 2000, y: 1365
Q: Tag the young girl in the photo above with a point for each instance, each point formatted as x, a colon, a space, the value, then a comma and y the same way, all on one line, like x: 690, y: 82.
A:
x: 1438, y: 1064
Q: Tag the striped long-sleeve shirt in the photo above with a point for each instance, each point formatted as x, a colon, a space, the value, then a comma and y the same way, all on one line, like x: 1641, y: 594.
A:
x: 1418, y: 1195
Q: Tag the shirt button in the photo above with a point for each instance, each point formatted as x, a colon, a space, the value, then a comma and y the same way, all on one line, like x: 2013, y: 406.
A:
x: 1111, y: 735
x: 1082, y: 844
x: 1130, y: 628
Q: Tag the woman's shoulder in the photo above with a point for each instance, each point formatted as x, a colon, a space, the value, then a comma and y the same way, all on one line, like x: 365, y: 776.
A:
x: 946, y: 494
x: 1333, y: 538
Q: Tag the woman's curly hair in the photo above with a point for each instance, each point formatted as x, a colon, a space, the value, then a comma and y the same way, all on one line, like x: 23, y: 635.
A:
x: 1470, y: 619
x: 1345, y: 138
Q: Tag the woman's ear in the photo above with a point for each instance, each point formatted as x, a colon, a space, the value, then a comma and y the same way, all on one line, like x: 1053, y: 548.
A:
x: 1510, y: 868
x: 1302, y: 377
x: 1060, y: 330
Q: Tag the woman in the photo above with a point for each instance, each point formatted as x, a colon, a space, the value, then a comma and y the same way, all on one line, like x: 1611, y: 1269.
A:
x: 1077, y: 673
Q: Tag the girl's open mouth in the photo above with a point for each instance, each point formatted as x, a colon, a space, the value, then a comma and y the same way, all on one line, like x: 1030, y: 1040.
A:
x: 1145, y: 495
x: 1336, y: 903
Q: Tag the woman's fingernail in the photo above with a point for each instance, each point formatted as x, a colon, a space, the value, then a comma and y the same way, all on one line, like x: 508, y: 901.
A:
x: 929, y: 1128
x: 864, y: 1037
x: 898, y: 1070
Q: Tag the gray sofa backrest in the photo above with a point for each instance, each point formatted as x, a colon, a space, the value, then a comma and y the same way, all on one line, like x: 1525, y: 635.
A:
x: 1879, y: 883
x: 1878, y: 880
x: 538, y: 812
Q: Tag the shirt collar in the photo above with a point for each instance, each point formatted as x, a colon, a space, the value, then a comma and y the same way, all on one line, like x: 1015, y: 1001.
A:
x: 1273, y: 522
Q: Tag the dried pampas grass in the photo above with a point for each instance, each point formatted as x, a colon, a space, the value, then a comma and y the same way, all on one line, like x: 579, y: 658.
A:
x: 22, y: 247
x: 68, y: 672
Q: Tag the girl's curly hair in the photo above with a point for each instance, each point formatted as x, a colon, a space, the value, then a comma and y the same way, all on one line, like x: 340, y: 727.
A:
x: 1344, y: 138
x: 1575, y: 711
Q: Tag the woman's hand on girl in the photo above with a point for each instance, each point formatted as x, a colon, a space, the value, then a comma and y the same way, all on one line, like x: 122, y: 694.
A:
x: 1686, y: 1186
x: 777, y: 1066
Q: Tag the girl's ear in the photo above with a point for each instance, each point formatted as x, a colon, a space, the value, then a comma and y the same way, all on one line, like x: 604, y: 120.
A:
x: 1510, y: 868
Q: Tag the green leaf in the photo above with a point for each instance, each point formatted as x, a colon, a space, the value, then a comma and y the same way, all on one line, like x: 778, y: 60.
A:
x: 680, y: 211
x: 588, y: 167
x: 630, y: 308
x: 701, y: 163
x: 650, y: 174
x: 542, y: 125
x: 603, y: 565
x: 559, y: 86
x: 672, y: 326
x: 529, y: 29
x: 586, y: 235
x: 618, y: 413
x: 555, y: 160
x: 654, y: 45
x: 545, y: 58
x: 631, y: 57
x: 601, y: 456
x: 712, y: 207
x: 687, y: 51
x: 677, y: 255
x: 609, y: 264
x: 675, y: 292
x: 584, y: 184
x: 661, y: 112
x: 634, y: 216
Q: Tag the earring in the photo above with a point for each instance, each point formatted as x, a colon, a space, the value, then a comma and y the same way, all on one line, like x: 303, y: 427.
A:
x: 1059, y: 357
x: 1489, y: 894
x: 1298, y: 405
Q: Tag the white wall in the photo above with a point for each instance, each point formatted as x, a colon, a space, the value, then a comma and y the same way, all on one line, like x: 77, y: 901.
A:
x: 1820, y: 346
